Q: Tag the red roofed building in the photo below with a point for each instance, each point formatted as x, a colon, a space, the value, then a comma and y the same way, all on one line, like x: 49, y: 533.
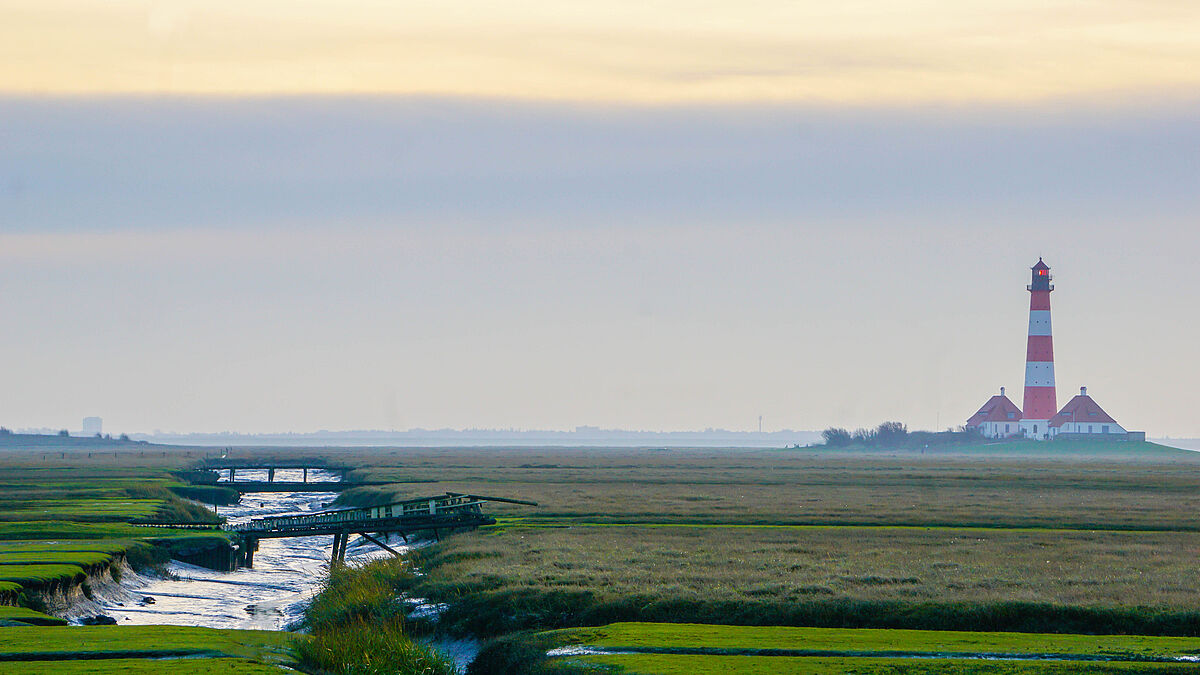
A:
x: 998, y: 418
x: 1082, y: 415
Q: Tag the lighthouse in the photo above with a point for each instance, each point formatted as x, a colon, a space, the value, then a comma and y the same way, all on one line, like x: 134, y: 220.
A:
x: 1041, y: 404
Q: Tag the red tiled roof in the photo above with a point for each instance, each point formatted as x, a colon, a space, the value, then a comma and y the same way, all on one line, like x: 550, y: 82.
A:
x: 1081, y: 409
x: 995, y: 410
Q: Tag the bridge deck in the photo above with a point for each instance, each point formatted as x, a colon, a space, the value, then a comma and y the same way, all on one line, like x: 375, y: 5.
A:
x: 226, y: 464
x: 294, y: 486
x: 442, y: 512
x: 401, y: 525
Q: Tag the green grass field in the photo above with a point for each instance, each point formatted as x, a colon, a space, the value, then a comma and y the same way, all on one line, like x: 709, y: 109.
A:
x: 645, y: 648
x: 1074, y: 486
x: 671, y: 664
x: 28, y: 616
x: 793, y: 545
x: 188, y: 666
x: 639, y: 636
x: 35, y: 575
x: 81, y: 558
x: 95, y: 641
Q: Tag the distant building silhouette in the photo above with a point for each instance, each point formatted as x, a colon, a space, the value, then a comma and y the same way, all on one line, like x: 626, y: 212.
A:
x: 93, y: 426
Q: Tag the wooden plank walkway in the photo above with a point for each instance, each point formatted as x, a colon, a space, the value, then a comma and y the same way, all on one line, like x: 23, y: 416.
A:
x: 245, y: 486
x: 448, y: 512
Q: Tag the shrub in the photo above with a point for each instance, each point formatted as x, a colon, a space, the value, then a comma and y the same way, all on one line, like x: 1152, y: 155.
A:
x: 863, y: 436
x: 891, y: 433
x: 836, y: 437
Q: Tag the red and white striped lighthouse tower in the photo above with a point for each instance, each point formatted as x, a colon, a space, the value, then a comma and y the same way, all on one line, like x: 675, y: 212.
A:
x: 1041, y: 404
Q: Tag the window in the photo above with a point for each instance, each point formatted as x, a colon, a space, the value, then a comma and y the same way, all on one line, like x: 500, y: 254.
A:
x: 1006, y: 426
x: 1089, y: 428
x: 1035, y: 428
x: 1011, y: 415
x: 1105, y: 427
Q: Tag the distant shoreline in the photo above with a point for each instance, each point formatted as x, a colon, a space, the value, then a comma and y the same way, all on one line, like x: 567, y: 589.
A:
x: 586, y: 437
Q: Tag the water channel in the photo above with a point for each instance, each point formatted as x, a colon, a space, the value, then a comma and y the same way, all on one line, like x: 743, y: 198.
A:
x: 270, y: 596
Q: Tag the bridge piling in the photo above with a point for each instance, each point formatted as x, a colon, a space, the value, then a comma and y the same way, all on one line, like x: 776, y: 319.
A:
x: 339, y: 548
x: 251, y: 546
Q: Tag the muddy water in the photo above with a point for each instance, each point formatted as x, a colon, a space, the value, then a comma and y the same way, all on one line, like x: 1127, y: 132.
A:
x: 271, y: 595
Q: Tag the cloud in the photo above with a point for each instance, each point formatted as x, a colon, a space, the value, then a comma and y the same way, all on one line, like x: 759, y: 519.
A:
x: 617, y: 50
x: 104, y: 164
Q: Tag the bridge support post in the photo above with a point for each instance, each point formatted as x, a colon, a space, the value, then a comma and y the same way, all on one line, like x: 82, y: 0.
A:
x: 305, y: 474
x: 339, y: 548
x: 251, y: 547
x: 232, y: 474
x: 271, y: 475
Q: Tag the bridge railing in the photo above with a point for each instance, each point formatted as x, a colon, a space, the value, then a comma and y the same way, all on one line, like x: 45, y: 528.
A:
x: 448, y: 506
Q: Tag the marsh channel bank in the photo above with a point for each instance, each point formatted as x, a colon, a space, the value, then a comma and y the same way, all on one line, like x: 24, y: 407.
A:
x: 273, y: 593
x: 96, y: 532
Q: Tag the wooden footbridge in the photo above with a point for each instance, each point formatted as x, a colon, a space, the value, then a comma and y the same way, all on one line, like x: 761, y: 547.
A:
x: 210, y: 471
x: 442, y: 513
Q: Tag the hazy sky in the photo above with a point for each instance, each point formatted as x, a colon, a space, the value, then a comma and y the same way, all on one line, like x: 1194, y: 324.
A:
x: 269, y: 216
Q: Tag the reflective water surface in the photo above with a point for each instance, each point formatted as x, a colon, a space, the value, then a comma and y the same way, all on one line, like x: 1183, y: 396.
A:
x: 271, y: 595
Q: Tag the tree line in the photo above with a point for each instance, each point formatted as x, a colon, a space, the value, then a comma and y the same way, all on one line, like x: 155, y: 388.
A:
x: 895, y: 435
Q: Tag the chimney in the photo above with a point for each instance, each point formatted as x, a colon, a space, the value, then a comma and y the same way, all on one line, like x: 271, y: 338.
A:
x: 1001, y: 391
x: 1083, y: 391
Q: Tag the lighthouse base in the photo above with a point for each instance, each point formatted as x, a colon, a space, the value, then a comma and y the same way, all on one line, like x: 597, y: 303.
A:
x: 1038, y: 429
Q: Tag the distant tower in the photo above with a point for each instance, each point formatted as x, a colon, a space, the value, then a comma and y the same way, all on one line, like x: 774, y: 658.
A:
x: 92, y: 426
x: 1040, y: 401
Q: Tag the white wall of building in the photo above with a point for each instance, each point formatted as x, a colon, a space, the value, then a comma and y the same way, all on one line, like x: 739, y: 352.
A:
x: 1000, y: 429
x: 1083, y: 427
x: 1035, y: 428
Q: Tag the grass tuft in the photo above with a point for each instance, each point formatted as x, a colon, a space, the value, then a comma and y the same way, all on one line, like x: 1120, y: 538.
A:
x: 357, y: 625
x: 362, y: 647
